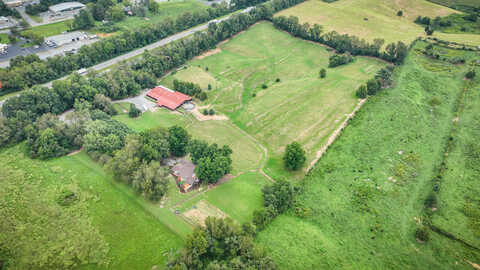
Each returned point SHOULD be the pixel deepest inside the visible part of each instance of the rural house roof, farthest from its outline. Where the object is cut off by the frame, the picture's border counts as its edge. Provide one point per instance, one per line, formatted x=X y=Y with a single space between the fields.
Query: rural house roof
x=168 y=98
x=184 y=170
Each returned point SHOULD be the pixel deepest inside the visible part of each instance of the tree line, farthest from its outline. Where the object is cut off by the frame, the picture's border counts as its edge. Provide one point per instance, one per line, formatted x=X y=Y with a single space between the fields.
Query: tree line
x=394 y=52
x=17 y=77
x=189 y=88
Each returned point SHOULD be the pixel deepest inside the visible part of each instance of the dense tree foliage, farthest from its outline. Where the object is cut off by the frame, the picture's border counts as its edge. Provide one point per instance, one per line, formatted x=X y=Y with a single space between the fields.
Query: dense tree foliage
x=342 y=43
x=6 y=11
x=221 y=244
x=470 y=74
x=278 y=198
x=178 y=139
x=105 y=136
x=83 y=20
x=189 y=88
x=323 y=73
x=339 y=59
x=361 y=92
x=294 y=157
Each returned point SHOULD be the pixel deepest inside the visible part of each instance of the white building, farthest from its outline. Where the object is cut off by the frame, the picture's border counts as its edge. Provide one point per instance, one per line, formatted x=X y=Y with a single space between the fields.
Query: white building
x=66 y=38
x=64 y=7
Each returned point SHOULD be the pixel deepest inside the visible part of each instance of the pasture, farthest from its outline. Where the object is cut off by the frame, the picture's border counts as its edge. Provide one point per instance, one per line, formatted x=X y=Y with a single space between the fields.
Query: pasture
x=364 y=200
x=299 y=106
x=369 y=19
x=105 y=223
x=170 y=9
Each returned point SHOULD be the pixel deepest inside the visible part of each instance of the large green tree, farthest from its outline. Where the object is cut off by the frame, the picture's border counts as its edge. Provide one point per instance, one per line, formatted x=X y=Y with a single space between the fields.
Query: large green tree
x=294 y=157
x=178 y=139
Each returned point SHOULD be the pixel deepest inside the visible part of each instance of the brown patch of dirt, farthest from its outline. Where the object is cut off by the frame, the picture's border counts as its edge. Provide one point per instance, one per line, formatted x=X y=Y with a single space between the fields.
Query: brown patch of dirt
x=203 y=210
x=75 y=152
x=104 y=35
x=222 y=180
x=211 y=52
x=474 y=265
x=200 y=117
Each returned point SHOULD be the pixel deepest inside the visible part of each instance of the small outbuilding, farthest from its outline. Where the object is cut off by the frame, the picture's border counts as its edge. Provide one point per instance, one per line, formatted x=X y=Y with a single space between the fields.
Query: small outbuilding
x=184 y=173
x=168 y=98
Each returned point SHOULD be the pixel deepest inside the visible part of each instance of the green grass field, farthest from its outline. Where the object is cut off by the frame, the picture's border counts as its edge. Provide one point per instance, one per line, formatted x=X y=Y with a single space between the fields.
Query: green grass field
x=4 y=38
x=458 y=204
x=348 y=17
x=364 y=199
x=171 y=9
x=301 y=107
x=134 y=238
x=52 y=29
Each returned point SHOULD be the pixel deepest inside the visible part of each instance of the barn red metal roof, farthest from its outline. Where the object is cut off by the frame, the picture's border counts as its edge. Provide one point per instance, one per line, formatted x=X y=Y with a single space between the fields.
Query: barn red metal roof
x=168 y=98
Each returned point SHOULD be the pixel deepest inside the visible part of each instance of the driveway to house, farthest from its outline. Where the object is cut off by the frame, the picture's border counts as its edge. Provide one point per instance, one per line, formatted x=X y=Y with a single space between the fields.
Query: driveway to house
x=142 y=103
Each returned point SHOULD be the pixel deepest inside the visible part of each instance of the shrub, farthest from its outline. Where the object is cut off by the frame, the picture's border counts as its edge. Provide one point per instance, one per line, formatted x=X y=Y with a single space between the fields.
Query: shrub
x=339 y=59
x=211 y=112
x=471 y=74
x=264 y=86
x=422 y=234
x=361 y=92
x=209 y=87
x=206 y=68
x=205 y=112
x=277 y=80
x=134 y=112
x=294 y=157
x=372 y=87
x=323 y=73
x=254 y=94
x=400 y=13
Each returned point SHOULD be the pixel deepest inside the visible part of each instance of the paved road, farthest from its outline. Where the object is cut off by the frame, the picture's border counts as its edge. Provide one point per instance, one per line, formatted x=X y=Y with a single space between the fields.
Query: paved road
x=152 y=46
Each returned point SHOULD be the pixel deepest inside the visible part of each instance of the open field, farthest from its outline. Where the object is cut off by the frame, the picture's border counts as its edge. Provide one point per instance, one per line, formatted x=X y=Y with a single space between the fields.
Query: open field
x=300 y=107
x=52 y=29
x=4 y=38
x=171 y=9
x=458 y=204
x=348 y=17
x=131 y=235
x=364 y=199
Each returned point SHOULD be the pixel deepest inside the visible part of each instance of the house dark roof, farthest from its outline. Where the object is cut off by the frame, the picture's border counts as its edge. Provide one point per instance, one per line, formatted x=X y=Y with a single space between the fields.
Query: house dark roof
x=184 y=170
x=168 y=98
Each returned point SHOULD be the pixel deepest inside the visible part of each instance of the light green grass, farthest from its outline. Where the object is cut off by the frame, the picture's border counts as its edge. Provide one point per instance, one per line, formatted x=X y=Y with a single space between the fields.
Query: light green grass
x=301 y=107
x=36 y=18
x=52 y=29
x=4 y=38
x=347 y=17
x=458 y=205
x=363 y=200
x=171 y=9
x=135 y=237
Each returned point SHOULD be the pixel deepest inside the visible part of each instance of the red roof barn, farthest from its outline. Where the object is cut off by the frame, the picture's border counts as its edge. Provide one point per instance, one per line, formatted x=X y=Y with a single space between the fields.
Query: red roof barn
x=168 y=98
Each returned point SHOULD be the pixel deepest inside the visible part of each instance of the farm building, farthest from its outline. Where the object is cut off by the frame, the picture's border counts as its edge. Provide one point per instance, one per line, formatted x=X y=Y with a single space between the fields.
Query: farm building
x=184 y=173
x=168 y=98
x=67 y=6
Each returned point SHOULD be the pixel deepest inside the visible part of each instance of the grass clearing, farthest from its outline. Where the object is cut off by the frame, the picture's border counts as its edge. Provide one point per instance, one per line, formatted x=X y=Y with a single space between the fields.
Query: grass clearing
x=4 y=38
x=135 y=238
x=364 y=198
x=52 y=29
x=300 y=107
x=171 y=9
x=348 y=17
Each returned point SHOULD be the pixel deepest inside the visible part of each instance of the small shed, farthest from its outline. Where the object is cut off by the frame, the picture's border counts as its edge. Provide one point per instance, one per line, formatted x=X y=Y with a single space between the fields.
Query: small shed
x=184 y=173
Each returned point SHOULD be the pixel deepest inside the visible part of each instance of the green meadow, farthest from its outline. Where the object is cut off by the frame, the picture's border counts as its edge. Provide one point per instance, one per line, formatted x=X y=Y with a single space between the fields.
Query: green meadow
x=267 y=82
x=364 y=200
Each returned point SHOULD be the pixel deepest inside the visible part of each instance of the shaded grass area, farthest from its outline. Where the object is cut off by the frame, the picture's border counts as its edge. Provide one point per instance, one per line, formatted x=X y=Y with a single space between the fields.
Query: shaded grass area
x=300 y=107
x=135 y=238
x=52 y=29
x=364 y=199
x=4 y=38
x=369 y=19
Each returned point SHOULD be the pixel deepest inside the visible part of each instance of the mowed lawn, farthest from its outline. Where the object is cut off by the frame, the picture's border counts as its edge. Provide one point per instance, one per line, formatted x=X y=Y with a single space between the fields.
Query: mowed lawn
x=300 y=107
x=365 y=198
x=171 y=9
x=247 y=155
x=135 y=239
x=369 y=19
x=52 y=29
